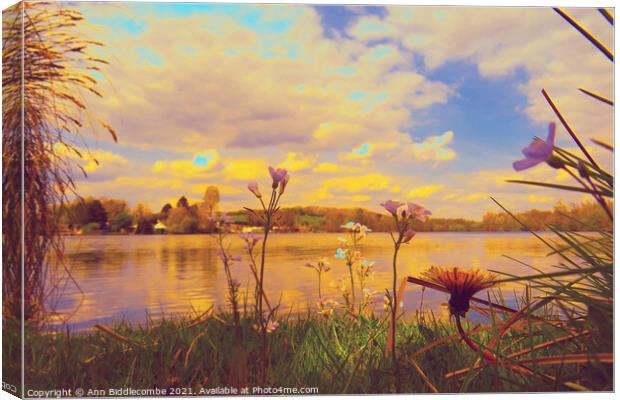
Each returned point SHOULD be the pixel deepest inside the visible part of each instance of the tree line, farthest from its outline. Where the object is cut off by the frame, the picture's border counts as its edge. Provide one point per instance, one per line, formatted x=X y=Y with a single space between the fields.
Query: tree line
x=91 y=215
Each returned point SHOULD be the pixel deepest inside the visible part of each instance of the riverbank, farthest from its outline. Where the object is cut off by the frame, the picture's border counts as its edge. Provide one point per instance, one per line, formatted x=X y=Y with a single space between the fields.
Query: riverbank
x=335 y=354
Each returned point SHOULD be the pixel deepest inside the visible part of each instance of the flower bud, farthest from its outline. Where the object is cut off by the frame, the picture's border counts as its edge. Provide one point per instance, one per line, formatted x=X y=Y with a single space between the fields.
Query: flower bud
x=253 y=187
x=555 y=162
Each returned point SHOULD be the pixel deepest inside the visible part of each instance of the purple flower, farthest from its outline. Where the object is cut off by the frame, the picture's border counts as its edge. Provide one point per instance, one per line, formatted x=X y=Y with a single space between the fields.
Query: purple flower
x=283 y=182
x=537 y=152
x=392 y=206
x=253 y=187
x=277 y=175
x=409 y=235
x=250 y=238
x=418 y=211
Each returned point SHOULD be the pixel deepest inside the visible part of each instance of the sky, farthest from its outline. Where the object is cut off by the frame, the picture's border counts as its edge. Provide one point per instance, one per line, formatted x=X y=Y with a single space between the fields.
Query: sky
x=360 y=104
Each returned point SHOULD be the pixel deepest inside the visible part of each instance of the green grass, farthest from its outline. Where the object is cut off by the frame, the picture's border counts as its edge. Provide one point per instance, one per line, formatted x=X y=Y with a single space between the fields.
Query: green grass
x=339 y=354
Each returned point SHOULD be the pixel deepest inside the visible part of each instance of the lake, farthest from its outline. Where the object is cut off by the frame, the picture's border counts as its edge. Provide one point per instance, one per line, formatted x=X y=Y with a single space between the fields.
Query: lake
x=126 y=277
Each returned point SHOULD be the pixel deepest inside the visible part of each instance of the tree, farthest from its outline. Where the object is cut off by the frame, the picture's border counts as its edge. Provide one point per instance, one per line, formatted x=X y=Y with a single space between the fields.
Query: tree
x=113 y=207
x=121 y=221
x=181 y=220
x=182 y=202
x=163 y=214
x=211 y=199
x=96 y=213
x=144 y=218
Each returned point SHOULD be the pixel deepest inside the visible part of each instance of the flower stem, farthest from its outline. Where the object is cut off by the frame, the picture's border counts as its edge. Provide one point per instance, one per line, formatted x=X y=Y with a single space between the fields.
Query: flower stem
x=349 y=264
x=394 y=310
x=487 y=355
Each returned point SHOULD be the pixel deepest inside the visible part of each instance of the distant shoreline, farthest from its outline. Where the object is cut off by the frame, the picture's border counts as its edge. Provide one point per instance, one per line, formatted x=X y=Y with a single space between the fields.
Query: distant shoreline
x=289 y=233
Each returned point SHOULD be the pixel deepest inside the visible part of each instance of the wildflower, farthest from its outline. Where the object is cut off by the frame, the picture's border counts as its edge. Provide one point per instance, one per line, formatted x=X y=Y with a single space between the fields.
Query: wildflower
x=253 y=187
x=418 y=211
x=250 y=238
x=538 y=151
x=342 y=254
x=284 y=182
x=321 y=266
x=277 y=175
x=363 y=230
x=392 y=206
x=348 y=226
x=367 y=267
x=462 y=285
x=409 y=235
x=271 y=326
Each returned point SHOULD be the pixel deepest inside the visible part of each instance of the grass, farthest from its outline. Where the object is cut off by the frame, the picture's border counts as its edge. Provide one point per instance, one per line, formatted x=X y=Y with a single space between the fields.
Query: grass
x=339 y=354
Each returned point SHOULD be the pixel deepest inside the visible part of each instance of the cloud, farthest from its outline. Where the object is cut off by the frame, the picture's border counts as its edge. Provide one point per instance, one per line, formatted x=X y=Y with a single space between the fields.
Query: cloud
x=245 y=169
x=473 y=198
x=361 y=183
x=297 y=162
x=348 y=115
x=425 y=191
x=306 y=92
x=435 y=148
x=538 y=42
x=97 y=164
x=199 y=167
x=371 y=28
x=532 y=198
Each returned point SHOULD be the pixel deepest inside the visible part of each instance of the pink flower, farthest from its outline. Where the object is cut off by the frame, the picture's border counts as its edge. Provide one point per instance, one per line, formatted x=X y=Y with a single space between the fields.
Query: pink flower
x=271 y=326
x=253 y=187
x=418 y=211
x=277 y=175
x=283 y=182
x=409 y=235
x=392 y=206
x=538 y=151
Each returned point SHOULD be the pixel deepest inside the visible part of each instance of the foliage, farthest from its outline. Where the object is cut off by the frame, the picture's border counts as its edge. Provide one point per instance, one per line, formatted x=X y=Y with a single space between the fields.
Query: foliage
x=121 y=222
x=181 y=220
x=58 y=71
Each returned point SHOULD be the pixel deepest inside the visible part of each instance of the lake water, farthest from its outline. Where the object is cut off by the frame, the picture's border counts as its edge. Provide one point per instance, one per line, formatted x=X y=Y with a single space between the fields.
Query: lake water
x=126 y=277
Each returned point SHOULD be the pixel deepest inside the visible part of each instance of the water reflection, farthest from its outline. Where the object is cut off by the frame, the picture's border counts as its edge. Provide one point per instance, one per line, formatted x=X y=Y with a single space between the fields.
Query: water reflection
x=126 y=277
